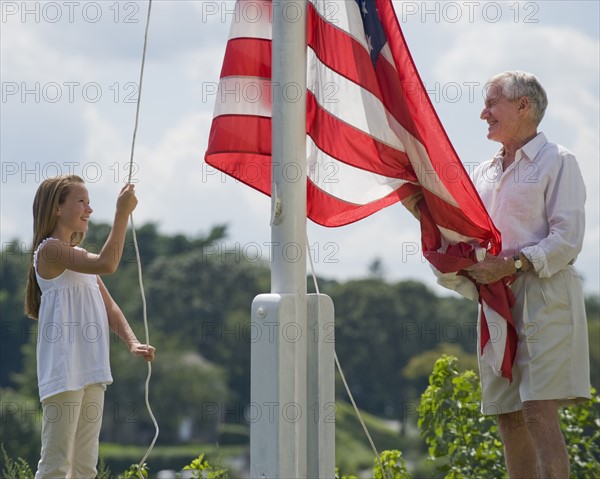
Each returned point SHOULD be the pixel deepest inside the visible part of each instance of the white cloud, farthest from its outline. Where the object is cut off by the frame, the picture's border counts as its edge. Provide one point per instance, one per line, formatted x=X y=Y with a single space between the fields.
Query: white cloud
x=570 y=76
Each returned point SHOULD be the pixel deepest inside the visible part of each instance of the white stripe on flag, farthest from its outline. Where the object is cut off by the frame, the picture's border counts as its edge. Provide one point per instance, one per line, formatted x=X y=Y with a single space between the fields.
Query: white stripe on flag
x=251 y=19
x=346 y=182
x=244 y=96
x=351 y=103
x=452 y=237
x=345 y=16
x=387 y=54
x=419 y=159
x=493 y=352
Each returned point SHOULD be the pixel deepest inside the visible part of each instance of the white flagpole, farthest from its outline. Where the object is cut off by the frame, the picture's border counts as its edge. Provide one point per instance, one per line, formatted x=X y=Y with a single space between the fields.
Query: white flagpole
x=288 y=225
x=292 y=404
x=278 y=411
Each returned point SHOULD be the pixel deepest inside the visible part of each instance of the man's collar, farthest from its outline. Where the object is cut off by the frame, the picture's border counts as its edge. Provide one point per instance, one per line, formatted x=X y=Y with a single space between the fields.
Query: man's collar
x=529 y=150
x=533 y=147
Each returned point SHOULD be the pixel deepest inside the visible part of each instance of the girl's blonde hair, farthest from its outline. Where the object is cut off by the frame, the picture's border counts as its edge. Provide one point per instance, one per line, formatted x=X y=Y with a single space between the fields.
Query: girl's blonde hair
x=51 y=193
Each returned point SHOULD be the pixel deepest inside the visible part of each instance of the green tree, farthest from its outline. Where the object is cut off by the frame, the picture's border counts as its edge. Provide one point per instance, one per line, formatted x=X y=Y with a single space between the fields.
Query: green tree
x=203 y=300
x=453 y=427
x=380 y=326
x=377 y=269
x=14 y=325
x=592 y=308
x=421 y=365
x=20 y=425
x=184 y=388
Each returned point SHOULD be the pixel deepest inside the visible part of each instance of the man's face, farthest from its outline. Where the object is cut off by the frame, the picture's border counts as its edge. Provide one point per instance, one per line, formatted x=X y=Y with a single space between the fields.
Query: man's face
x=501 y=115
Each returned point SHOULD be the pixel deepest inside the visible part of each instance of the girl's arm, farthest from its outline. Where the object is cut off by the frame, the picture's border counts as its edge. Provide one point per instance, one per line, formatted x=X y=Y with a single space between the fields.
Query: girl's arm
x=57 y=256
x=118 y=323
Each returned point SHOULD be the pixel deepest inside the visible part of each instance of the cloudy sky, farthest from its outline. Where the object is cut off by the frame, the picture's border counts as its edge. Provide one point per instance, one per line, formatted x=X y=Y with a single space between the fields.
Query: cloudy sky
x=69 y=76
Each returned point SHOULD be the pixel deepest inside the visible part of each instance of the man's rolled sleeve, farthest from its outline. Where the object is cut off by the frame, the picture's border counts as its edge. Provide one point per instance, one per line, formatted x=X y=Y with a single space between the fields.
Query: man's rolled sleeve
x=565 y=207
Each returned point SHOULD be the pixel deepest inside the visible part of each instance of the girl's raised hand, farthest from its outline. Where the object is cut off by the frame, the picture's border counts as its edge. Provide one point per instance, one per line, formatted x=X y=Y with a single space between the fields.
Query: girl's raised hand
x=127 y=201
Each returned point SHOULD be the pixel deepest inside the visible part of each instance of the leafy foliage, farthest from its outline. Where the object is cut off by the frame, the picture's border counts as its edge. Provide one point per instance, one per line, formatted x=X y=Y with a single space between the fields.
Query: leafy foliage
x=353 y=452
x=15 y=468
x=453 y=427
x=390 y=465
x=203 y=470
x=15 y=331
x=581 y=427
x=135 y=472
x=103 y=470
x=343 y=476
x=467 y=444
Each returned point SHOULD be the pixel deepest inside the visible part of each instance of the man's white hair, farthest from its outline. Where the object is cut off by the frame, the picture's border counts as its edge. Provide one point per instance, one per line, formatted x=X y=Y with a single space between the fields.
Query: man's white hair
x=515 y=84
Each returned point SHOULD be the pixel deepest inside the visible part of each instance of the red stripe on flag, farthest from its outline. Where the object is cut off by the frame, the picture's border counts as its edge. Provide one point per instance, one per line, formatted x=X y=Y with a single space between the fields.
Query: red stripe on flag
x=327 y=210
x=247 y=57
x=224 y=135
x=397 y=95
x=452 y=218
x=244 y=157
x=353 y=146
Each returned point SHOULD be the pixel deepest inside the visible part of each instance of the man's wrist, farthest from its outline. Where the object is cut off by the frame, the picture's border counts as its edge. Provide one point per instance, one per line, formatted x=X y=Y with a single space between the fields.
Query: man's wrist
x=522 y=263
x=518 y=264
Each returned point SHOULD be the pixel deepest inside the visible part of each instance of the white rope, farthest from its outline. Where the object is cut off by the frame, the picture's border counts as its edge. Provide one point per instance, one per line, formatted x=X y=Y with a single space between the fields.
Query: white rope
x=149 y=375
x=339 y=367
x=137 y=250
x=137 y=108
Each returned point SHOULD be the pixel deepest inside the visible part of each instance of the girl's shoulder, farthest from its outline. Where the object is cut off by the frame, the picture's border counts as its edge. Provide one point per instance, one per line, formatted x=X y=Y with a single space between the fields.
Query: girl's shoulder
x=46 y=246
x=55 y=244
x=50 y=254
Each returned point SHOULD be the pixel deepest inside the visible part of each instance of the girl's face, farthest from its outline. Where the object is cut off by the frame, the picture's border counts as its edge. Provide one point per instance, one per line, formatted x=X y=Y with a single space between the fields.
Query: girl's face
x=74 y=213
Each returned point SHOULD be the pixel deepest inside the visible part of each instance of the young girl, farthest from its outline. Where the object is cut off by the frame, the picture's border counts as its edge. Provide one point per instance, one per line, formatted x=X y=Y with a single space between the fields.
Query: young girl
x=75 y=312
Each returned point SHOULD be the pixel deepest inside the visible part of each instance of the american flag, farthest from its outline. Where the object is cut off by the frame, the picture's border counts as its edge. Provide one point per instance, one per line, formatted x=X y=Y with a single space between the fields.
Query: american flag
x=373 y=136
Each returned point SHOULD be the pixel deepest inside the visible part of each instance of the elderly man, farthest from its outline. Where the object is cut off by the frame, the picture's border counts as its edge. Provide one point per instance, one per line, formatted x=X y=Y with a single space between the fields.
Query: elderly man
x=534 y=192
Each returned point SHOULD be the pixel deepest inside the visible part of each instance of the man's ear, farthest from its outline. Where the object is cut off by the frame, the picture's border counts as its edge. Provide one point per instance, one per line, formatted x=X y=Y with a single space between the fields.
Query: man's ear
x=523 y=103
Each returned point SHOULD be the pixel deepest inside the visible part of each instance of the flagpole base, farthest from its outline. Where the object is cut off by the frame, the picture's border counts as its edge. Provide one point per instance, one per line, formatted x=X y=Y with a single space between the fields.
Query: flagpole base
x=292 y=393
x=321 y=387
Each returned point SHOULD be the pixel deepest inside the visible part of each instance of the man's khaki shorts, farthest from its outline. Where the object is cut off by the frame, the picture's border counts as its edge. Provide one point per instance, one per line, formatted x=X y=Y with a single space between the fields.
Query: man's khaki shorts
x=552 y=361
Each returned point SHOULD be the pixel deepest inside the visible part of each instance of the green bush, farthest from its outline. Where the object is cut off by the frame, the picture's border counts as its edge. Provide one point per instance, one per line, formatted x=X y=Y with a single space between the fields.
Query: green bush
x=203 y=470
x=390 y=465
x=581 y=428
x=466 y=444
x=15 y=468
